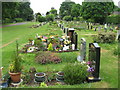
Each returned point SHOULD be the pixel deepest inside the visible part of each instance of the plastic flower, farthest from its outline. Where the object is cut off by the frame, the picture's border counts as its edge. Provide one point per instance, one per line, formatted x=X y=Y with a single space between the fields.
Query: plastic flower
x=51 y=36
x=91 y=69
x=89 y=62
x=67 y=42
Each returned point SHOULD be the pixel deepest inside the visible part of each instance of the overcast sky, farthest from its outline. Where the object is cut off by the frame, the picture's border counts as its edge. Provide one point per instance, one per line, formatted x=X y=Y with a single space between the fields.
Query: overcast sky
x=43 y=6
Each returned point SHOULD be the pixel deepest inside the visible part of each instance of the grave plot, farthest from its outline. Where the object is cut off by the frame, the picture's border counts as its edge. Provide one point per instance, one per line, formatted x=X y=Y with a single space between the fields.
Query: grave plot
x=65 y=43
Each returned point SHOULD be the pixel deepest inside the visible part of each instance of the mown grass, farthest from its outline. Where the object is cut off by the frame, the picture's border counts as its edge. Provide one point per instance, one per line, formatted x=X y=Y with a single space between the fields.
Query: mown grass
x=108 y=66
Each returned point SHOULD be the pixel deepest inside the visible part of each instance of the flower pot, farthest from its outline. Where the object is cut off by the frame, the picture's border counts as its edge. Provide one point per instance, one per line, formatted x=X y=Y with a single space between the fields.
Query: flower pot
x=60 y=76
x=15 y=77
x=40 y=77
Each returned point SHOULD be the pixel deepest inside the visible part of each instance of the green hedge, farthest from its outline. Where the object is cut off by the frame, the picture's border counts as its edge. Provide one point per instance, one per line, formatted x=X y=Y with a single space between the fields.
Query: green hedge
x=105 y=37
x=7 y=20
x=113 y=19
x=19 y=20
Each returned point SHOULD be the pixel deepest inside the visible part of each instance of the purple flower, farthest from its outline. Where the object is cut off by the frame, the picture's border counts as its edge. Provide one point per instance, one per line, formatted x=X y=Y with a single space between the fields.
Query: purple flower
x=91 y=69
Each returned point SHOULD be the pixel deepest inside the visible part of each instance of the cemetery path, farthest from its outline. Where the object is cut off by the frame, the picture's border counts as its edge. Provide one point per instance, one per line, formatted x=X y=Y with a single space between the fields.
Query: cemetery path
x=13 y=24
x=9 y=43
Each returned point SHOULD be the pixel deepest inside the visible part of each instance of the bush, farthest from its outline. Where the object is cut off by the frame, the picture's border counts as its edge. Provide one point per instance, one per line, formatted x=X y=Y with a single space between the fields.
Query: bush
x=39 y=44
x=50 y=17
x=67 y=18
x=105 y=38
x=7 y=20
x=47 y=57
x=75 y=73
x=41 y=18
x=116 y=51
x=19 y=20
x=113 y=19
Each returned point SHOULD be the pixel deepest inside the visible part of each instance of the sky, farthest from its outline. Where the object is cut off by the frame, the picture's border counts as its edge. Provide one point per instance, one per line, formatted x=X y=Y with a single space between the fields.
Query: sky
x=43 y=6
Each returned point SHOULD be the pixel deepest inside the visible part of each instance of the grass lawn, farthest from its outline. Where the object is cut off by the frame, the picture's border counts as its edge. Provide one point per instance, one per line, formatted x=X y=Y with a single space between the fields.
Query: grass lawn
x=108 y=65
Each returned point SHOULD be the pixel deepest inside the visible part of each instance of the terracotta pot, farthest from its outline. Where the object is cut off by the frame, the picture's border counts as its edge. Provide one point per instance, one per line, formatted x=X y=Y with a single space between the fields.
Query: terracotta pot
x=15 y=77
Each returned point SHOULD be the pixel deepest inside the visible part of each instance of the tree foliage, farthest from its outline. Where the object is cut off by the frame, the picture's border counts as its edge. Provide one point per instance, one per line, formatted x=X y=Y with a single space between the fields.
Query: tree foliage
x=53 y=11
x=65 y=9
x=75 y=11
x=12 y=10
x=97 y=11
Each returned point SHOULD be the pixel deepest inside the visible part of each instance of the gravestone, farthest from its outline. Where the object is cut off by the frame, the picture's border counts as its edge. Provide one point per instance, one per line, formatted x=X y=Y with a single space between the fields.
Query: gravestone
x=75 y=39
x=118 y=33
x=95 y=29
x=82 y=56
x=87 y=25
x=64 y=30
x=105 y=28
x=91 y=26
x=70 y=33
x=94 y=58
x=99 y=28
x=62 y=27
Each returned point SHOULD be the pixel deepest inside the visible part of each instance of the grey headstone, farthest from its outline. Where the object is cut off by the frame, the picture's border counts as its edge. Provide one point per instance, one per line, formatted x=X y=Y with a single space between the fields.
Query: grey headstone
x=82 y=56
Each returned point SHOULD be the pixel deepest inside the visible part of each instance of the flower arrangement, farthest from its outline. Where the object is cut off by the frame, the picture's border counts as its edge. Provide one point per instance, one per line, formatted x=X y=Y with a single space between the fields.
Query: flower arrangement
x=67 y=42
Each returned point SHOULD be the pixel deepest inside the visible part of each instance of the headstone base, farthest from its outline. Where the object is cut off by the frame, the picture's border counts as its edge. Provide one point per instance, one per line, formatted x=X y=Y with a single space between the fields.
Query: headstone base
x=89 y=79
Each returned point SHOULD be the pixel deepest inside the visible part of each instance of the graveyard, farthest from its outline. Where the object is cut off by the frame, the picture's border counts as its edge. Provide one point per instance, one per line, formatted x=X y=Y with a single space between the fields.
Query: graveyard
x=72 y=45
x=107 y=62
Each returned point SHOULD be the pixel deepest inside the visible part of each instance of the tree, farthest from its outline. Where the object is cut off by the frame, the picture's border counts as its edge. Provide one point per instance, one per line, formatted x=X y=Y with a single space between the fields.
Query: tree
x=13 y=10
x=50 y=17
x=47 y=13
x=65 y=8
x=25 y=11
x=75 y=11
x=53 y=11
x=96 y=11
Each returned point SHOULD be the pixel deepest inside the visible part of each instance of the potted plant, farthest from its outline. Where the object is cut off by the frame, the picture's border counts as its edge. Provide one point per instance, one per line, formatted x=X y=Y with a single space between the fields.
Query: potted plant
x=60 y=76
x=40 y=77
x=15 y=67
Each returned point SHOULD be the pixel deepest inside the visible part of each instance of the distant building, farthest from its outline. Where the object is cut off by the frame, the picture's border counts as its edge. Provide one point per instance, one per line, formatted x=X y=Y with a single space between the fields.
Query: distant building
x=67 y=1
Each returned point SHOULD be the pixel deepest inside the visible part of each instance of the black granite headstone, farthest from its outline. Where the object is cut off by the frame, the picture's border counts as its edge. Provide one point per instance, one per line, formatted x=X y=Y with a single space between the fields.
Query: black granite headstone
x=75 y=40
x=94 y=58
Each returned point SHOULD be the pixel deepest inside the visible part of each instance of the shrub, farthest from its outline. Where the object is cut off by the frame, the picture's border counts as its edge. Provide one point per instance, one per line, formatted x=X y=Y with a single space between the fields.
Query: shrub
x=113 y=19
x=41 y=18
x=75 y=73
x=50 y=17
x=19 y=20
x=46 y=57
x=105 y=38
x=116 y=51
x=67 y=18
x=7 y=20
